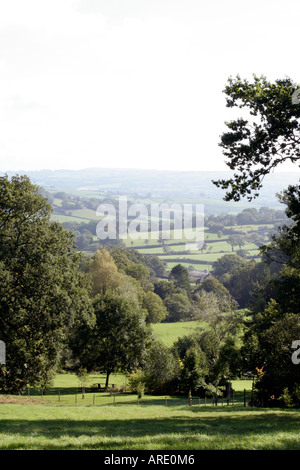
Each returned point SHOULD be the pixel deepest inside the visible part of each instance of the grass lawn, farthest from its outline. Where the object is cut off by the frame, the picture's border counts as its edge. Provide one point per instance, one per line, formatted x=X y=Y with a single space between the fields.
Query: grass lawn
x=34 y=423
x=63 y=420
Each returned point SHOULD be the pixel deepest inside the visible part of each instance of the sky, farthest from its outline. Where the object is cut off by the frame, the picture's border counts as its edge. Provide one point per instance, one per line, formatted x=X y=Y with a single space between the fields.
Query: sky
x=132 y=83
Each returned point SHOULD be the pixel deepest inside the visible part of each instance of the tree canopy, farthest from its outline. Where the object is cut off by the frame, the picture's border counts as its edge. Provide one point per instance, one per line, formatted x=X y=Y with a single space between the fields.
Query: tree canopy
x=119 y=338
x=42 y=292
x=265 y=136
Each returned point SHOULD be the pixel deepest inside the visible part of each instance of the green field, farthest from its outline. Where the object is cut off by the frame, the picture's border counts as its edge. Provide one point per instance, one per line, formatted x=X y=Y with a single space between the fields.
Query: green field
x=172 y=251
x=64 y=421
x=175 y=251
x=168 y=333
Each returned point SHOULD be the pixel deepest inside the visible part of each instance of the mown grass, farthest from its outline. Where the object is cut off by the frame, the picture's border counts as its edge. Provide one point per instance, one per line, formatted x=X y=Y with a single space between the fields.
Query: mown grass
x=104 y=421
x=152 y=426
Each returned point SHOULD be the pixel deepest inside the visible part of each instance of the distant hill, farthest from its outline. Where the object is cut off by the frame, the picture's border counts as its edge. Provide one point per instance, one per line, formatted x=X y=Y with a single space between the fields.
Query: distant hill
x=157 y=184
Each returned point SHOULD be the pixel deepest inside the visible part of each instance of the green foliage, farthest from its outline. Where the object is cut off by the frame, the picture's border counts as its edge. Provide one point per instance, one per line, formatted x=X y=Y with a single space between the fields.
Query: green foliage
x=42 y=292
x=229 y=363
x=160 y=368
x=284 y=250
x=212 y=285
x=156 y=310
x=164 y=288
x=268 y=345
x=263 y=138
x=242 y=281
x=180 y=276
x=82 y=376
x=140 y=272
x=286 y=398
x=119 y=338
x=226 y=265
x=194 y=369
x=198 y=354
x=137 y=382
x=178 y=307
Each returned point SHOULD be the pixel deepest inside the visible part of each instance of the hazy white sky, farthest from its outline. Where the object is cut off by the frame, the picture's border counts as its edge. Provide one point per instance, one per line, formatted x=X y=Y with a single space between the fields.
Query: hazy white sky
x=131 y=83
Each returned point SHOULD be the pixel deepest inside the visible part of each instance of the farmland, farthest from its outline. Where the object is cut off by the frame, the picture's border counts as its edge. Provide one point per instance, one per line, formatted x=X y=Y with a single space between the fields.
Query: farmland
x=76 y=195
x=174 y=249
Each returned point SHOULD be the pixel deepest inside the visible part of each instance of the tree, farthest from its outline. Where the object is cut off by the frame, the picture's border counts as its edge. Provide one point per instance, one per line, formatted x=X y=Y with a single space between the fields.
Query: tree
x=156 y=310
x=160 y=368
x=284 y=251
x=180 y=276
x=84 y=240
x=233 y=241
x=178 y=306
x=212 y=285
x=229 y=363
x=164 y=288
x=227 y=264
x=213 y=308
x=104 y=273
x=140 y=272
x=194 y=369
x=268 y=135
x=268 y=347
x=117 y=341
x=83 y=378
x=43 y=295
x=198 y=355
x=243 y=279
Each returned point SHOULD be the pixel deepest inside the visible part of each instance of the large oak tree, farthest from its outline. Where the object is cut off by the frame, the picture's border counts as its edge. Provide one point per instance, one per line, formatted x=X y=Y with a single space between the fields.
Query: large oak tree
x=42 y=293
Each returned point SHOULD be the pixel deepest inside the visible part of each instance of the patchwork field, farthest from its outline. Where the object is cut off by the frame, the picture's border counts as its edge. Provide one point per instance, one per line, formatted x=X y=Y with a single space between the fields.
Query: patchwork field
x=198 y=256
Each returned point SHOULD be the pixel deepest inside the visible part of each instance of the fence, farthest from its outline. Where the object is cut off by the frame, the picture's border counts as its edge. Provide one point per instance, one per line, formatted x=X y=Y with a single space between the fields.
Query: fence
x=98 y=396
x=81 y=397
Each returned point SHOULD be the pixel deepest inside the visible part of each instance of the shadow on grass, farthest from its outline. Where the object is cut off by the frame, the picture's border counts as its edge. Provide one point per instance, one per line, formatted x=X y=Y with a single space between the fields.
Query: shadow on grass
x=218 y=431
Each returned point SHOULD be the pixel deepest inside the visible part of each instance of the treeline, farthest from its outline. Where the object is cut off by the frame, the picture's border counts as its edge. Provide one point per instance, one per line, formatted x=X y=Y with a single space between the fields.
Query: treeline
x=249 y=216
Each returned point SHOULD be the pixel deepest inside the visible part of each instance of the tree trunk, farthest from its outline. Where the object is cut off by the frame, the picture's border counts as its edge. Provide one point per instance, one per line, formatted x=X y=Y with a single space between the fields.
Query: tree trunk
x=107 y=379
